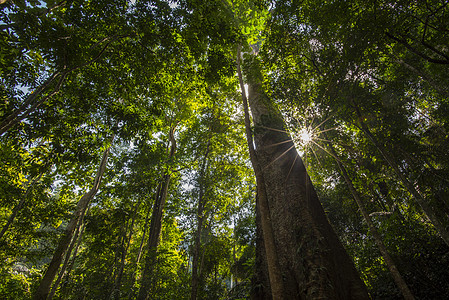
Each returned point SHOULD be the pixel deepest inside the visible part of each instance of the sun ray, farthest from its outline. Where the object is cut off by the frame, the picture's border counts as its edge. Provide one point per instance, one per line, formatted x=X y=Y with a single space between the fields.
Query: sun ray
x=326 y=130
x=276 y=144
x=333 y=142
x=327 y=151
x=324 y=140
x=313 y=151
x=327 y=119
x=280 y=155
x=274 y=129
x=291 y=168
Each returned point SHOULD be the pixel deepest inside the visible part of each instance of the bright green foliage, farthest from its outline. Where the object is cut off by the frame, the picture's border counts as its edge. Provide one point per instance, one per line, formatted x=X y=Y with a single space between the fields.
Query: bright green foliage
x=79 y=76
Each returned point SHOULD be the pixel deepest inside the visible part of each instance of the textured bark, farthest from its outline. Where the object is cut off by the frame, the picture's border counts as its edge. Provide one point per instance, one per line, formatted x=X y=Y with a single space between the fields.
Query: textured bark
x=262 y=206
x=200 y=220
x=400 y=282
x=45 y=284
x=313 y=262
x=156 y=225
x=260 y=281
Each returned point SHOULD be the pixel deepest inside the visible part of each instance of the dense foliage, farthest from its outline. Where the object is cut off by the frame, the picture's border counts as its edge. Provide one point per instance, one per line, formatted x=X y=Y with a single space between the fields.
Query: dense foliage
x=149 y=88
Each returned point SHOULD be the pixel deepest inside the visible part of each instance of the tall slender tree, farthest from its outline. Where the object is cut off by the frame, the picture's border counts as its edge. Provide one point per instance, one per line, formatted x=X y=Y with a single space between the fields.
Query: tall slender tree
x=156 y=220
x=81 y=207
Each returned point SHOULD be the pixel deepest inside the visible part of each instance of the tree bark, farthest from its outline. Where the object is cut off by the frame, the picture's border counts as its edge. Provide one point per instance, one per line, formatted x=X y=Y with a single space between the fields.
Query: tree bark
x=262 y=204
x=313 y=261
x=156 y=224
x=400 y=282
x=45 y=284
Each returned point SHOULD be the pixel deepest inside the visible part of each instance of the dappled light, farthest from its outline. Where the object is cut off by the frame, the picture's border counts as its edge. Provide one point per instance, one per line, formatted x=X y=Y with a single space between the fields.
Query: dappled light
x=224 y=149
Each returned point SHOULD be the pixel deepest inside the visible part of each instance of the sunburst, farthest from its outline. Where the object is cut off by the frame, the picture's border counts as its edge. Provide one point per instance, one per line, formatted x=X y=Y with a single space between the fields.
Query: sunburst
x=307 y=135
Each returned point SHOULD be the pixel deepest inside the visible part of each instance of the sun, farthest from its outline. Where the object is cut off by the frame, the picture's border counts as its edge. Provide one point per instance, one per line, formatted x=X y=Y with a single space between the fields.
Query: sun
x=305 y=136
x=307 y=131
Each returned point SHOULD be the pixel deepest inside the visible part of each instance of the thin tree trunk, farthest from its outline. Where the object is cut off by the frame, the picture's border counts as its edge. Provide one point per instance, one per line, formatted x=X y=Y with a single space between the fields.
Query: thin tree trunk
x=31 y=104
x=422 y=202
x=234 y=258
x=114 y=269
x=45 y=284
x=75 y=241
x=118 y=281
x=384 y=200
x=425 y=77
x=156 y=224
x=153 y=239
x=260 y=281
x=139 y=254
x=401 y=284
x=72 y=263
x=313 y=262
x=200 y=219
x=18 y=207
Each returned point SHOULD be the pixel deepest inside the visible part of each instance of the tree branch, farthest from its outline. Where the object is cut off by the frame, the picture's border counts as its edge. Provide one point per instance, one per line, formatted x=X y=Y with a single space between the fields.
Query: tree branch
x=413 y=50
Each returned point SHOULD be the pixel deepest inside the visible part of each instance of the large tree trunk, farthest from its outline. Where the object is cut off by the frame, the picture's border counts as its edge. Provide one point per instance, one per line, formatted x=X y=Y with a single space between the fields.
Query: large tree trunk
x=311 y=259
x=270 y=258
x=44 y=288
x=156 y=225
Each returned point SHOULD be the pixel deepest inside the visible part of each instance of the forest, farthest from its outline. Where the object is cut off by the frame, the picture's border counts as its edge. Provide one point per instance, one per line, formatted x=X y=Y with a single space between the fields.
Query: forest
x=224 y=149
